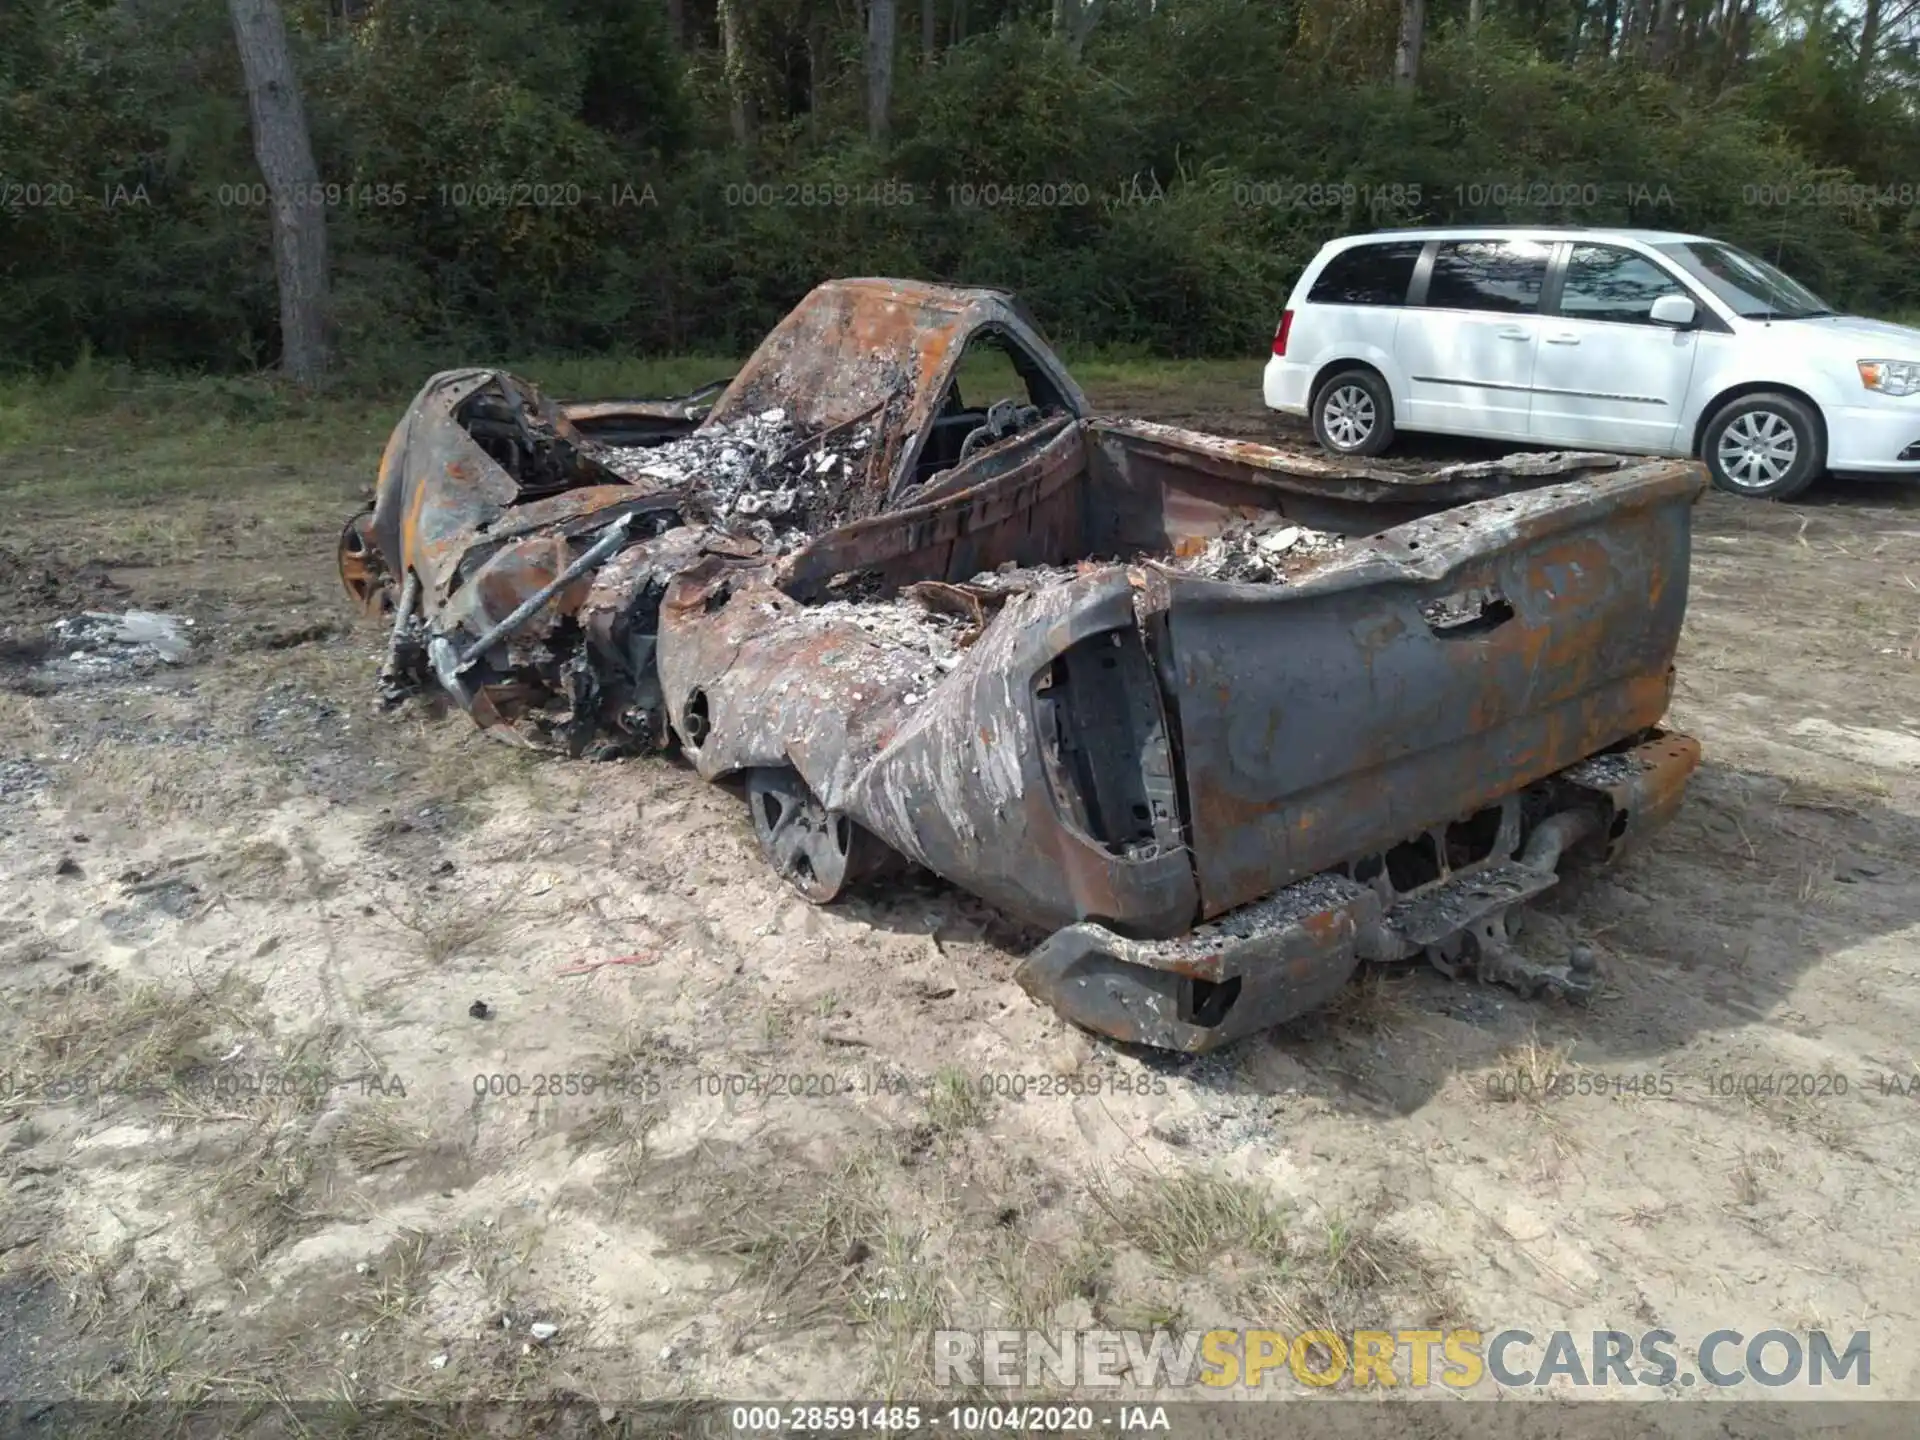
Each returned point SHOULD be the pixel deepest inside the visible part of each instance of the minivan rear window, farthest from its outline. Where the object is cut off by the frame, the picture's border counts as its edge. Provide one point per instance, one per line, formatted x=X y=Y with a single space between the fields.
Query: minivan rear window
x=1367 y=275
x=1503 y=275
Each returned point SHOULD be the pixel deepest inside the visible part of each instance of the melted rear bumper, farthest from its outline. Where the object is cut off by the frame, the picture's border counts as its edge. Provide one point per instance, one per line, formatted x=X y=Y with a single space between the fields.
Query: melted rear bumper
x=1291 y=952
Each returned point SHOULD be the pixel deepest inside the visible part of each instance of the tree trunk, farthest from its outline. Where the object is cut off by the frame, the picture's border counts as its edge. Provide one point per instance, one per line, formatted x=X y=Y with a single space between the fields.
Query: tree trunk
x=929 y=34
x=1413 y=38
x=1665 y=19
x=1609 y=21
x=1081 y=17
x=1869 y=43
x=1742 y=31
x=958 y=27
x=880 y=16
x=677 y=23
x=299 y=215
x=733 y=61
x=1476 y=12
x=816 y=71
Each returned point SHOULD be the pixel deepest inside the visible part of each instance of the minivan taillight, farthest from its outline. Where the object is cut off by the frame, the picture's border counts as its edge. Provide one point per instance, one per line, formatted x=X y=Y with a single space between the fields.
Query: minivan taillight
x=1280 y=335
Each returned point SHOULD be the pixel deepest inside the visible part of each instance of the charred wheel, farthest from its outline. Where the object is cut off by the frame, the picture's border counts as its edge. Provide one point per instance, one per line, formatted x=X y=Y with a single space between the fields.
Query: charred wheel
x=818 y=851
x=362 y=570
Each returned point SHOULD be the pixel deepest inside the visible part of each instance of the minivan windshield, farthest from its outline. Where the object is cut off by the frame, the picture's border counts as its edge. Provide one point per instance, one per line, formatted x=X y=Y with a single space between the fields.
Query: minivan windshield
x=1753 y=289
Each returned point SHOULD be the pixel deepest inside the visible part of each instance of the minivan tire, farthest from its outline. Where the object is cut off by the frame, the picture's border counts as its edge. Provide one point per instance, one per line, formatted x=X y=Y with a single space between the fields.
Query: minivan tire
x=1353 y=413
x=1767 y=446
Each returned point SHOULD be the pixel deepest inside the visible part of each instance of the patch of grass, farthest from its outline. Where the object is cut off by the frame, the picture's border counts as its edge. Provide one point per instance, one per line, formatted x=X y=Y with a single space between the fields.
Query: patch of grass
x=1371 y=1004
x=85 y=1277
x=1749 y=1172
x=622 y=1129
x=1186 y=1221
x=801 y=1236
x=955 y=1104
x=1030 y=1282
x=397 y=1285
x=1527 y=1073
x=252 y=869
x=1818 y=888
x=98 y=1037
x=903 y=1300
x=150 y=783
x=260 y=1190
x=440 y=927
x=373 y=1136
x=1348 y=1274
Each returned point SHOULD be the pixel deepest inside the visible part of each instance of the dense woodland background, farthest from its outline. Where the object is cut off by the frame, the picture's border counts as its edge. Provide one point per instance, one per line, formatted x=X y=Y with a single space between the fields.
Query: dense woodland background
x=1149 y=173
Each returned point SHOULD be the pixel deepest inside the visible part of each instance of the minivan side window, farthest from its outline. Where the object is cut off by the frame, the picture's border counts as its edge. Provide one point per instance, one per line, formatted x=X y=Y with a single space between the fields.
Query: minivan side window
x=1503 y=275
x=1604 y=283
x=1367 y=275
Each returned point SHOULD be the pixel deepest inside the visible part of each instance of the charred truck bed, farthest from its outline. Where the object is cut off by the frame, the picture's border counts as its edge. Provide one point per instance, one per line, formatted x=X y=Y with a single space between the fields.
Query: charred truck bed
x=1225 y=720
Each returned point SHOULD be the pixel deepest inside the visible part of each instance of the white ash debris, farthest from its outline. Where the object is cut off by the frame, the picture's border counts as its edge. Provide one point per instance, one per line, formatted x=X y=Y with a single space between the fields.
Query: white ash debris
x=96 y=645
x=1012 y=578
x=762 y=475
x=1257 y=554
x=925 y=634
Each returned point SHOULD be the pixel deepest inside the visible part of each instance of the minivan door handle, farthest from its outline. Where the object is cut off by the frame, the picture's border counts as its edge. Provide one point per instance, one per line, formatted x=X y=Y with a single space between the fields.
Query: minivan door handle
x=1513 y=333
x=1565 y=337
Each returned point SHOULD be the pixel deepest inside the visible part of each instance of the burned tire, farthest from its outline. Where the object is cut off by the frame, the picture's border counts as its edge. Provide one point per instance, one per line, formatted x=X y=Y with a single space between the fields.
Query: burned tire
x=1353 y=413
x=363 y=571
x=820 y=852
x=1764 y=447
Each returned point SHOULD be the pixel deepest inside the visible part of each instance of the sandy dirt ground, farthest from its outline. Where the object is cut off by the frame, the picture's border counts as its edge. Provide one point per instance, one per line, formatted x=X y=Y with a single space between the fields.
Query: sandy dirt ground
x=311 y=1094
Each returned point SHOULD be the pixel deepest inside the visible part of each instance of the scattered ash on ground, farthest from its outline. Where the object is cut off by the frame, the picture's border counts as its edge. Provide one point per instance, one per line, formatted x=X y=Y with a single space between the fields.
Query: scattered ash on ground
x=1260 y=554
x=22 y=779
x=96 y=645
x=762 y=476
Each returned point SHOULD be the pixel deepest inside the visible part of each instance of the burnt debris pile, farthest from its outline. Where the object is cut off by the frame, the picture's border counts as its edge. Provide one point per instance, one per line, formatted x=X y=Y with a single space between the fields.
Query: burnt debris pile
x=1260 y=553
x=761 y=477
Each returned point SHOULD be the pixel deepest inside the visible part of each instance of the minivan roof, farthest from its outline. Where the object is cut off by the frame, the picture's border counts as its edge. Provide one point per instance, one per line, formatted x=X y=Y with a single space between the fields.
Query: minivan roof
x=1527 y=232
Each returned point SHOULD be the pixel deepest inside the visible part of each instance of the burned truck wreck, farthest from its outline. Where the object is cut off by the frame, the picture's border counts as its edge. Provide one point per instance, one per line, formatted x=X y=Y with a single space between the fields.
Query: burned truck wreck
x=1223 y=720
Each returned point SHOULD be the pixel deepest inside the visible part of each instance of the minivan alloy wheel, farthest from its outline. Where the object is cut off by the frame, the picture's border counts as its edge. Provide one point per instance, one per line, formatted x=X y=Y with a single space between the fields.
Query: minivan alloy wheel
x=1348 y=416
x=1758 y=449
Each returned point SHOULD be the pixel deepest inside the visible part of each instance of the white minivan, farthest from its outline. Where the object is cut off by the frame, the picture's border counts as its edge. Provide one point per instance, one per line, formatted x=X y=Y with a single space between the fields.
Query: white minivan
x=1631 y=340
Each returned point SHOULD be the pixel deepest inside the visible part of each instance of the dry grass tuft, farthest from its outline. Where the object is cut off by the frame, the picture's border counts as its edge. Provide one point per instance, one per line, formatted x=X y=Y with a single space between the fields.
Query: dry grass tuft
x=1185 y=1222
x=372 y=1136
x=97 y=1037
x=1371 y=1005
x=1528 y=1073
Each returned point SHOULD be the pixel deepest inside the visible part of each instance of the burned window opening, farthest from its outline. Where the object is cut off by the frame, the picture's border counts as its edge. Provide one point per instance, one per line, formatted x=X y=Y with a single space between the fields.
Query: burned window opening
x=968 y=423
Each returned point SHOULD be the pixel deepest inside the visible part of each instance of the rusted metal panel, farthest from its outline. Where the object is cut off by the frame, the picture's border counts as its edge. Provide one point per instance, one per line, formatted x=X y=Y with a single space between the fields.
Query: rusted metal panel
x=1318 y=717
x=947 y=768
x=1021 y=503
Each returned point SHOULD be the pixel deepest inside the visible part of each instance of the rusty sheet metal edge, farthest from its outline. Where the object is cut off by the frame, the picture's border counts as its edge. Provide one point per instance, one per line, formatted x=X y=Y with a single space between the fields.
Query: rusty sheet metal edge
x=1293 y=472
